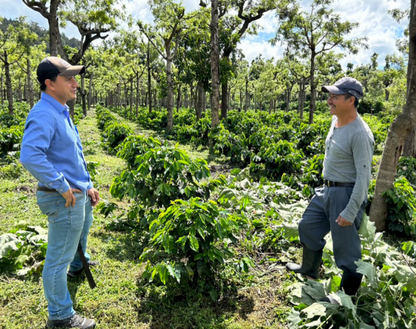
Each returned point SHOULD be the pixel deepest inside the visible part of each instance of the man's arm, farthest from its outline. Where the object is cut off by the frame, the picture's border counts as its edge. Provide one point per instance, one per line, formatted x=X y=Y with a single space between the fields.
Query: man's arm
x=39 y=131
x=362 y=149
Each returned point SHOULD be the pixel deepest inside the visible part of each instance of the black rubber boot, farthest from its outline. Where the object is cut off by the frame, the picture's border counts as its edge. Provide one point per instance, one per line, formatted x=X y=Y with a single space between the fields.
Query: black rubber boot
x=310 y=263
x=351 y=282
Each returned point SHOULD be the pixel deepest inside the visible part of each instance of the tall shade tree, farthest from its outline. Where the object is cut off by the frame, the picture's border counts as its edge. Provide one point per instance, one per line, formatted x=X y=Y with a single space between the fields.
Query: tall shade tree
x=315 y=32
x=401 y=127
x=232 y=29
x=49 y=10
x=215 y=65
x=131 y=46
x=168 y=18
x=92 y=18
x=193 y=60
x=14 y=44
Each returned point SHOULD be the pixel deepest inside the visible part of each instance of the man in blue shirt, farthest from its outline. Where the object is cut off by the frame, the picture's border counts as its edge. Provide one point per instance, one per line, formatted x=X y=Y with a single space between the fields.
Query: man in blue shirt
x=52 y=153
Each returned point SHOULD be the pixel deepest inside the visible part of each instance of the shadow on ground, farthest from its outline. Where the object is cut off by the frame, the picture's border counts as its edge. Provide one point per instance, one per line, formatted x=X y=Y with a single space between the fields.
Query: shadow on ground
x=164 y=308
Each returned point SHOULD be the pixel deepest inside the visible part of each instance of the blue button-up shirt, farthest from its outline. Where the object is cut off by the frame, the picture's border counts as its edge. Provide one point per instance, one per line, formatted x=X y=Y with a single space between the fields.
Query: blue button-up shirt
x=51 y=147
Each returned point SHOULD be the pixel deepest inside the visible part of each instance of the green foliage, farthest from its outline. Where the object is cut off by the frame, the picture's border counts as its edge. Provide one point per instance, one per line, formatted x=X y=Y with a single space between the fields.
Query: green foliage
x=22 y=250
x=230 y=144
x=401 y=203
x=385 y=299
x=163 y=174
x=10 y=139
x=104 y=118
x=12 y=169
x=312 y=176
x=311 y=138
x=279 y=158
x=114 y=134
x=92 y=169
x=136 y=145
x=370 y=106
x=190 y=243
x=407 y=168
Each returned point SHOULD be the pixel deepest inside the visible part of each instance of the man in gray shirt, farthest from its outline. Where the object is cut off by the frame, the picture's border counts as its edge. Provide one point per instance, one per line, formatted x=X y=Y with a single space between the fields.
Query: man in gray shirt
x=338 y=206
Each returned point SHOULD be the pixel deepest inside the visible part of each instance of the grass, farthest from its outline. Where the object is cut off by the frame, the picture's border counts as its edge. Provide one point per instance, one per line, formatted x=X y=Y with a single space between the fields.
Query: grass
x=119 y=301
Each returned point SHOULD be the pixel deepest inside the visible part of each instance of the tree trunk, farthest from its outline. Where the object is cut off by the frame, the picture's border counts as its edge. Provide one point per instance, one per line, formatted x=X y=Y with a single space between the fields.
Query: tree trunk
x=215 y=65
x=83 y=95
x=170 y=88
x=288 y=96
x=224 y=100
x=178 y=99
x=200 y=100
x=402 y=126
x=1 y=90
x=90 y=91
x=30 y=94
x=131 y=98
x=149 y=78
x=9 y=91
x=241 y=100
x=247 y=100
x=313 y=89
x=301 y=98
x=409 y=149
x=137 y=94
x=55 y=42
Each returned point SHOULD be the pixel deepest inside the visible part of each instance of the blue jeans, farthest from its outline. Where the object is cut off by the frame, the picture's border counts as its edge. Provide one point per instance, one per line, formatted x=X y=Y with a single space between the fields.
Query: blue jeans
x=67 y=227
x=319 y=219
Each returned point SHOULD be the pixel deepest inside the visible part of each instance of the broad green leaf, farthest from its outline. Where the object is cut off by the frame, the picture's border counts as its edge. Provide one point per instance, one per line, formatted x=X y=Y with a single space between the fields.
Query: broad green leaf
x=174 y=273
x=8 y=242
x=346 y=301
x=189 y=270
x=366 y=269
x=182 y=241
x=194 y=242
x=314 y=310
x=163 y=273
x=367 y=228
x=366 y=326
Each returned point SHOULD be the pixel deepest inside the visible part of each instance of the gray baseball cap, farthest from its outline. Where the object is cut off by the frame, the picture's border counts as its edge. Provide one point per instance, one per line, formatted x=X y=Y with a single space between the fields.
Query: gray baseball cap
x=345 y=86
x=51 y=66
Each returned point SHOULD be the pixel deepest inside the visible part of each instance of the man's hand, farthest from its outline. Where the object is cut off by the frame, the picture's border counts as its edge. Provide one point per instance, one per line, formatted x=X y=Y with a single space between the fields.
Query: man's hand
x=94 y=195
x=70 y=197
x=342 y=222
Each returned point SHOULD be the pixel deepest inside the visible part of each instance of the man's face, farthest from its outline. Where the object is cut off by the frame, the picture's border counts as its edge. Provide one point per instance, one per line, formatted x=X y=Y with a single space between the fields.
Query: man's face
x=63 y=89
x=338 y=104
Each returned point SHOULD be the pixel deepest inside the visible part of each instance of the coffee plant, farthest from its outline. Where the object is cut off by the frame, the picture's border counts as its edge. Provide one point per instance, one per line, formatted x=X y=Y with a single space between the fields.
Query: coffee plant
x=401 y=205
x=191 y=243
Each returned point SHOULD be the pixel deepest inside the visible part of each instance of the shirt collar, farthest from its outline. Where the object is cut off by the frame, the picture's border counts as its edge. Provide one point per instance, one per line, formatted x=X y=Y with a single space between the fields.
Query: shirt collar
x=55 y=104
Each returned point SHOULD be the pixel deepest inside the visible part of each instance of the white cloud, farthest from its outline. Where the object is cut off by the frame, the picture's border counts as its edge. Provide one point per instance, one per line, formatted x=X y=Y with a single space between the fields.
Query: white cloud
x=253 y=47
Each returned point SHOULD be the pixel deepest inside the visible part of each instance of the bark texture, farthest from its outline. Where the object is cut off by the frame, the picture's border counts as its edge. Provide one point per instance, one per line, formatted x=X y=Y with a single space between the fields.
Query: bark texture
x=215 y=65
x=402 y=126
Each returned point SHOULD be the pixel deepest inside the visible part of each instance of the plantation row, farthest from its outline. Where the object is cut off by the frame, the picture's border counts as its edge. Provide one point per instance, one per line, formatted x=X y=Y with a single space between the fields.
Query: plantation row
x=277 y=146
x=202 y=233
x=205 y=235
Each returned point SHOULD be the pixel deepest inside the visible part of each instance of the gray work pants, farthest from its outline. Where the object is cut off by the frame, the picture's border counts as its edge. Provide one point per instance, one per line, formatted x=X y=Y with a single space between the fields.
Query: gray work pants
x=319 y=219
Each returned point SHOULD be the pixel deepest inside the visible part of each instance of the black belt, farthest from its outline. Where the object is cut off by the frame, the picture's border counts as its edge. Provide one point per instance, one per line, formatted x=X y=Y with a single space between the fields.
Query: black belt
x=46 y=189
x=329 y=183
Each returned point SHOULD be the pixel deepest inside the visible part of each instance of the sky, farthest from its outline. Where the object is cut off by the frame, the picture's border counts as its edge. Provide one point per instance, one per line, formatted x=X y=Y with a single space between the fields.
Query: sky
x=374 y=21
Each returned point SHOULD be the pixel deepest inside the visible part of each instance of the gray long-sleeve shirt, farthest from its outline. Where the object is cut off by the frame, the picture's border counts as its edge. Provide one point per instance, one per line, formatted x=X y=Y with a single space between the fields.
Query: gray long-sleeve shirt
x=348 y=157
